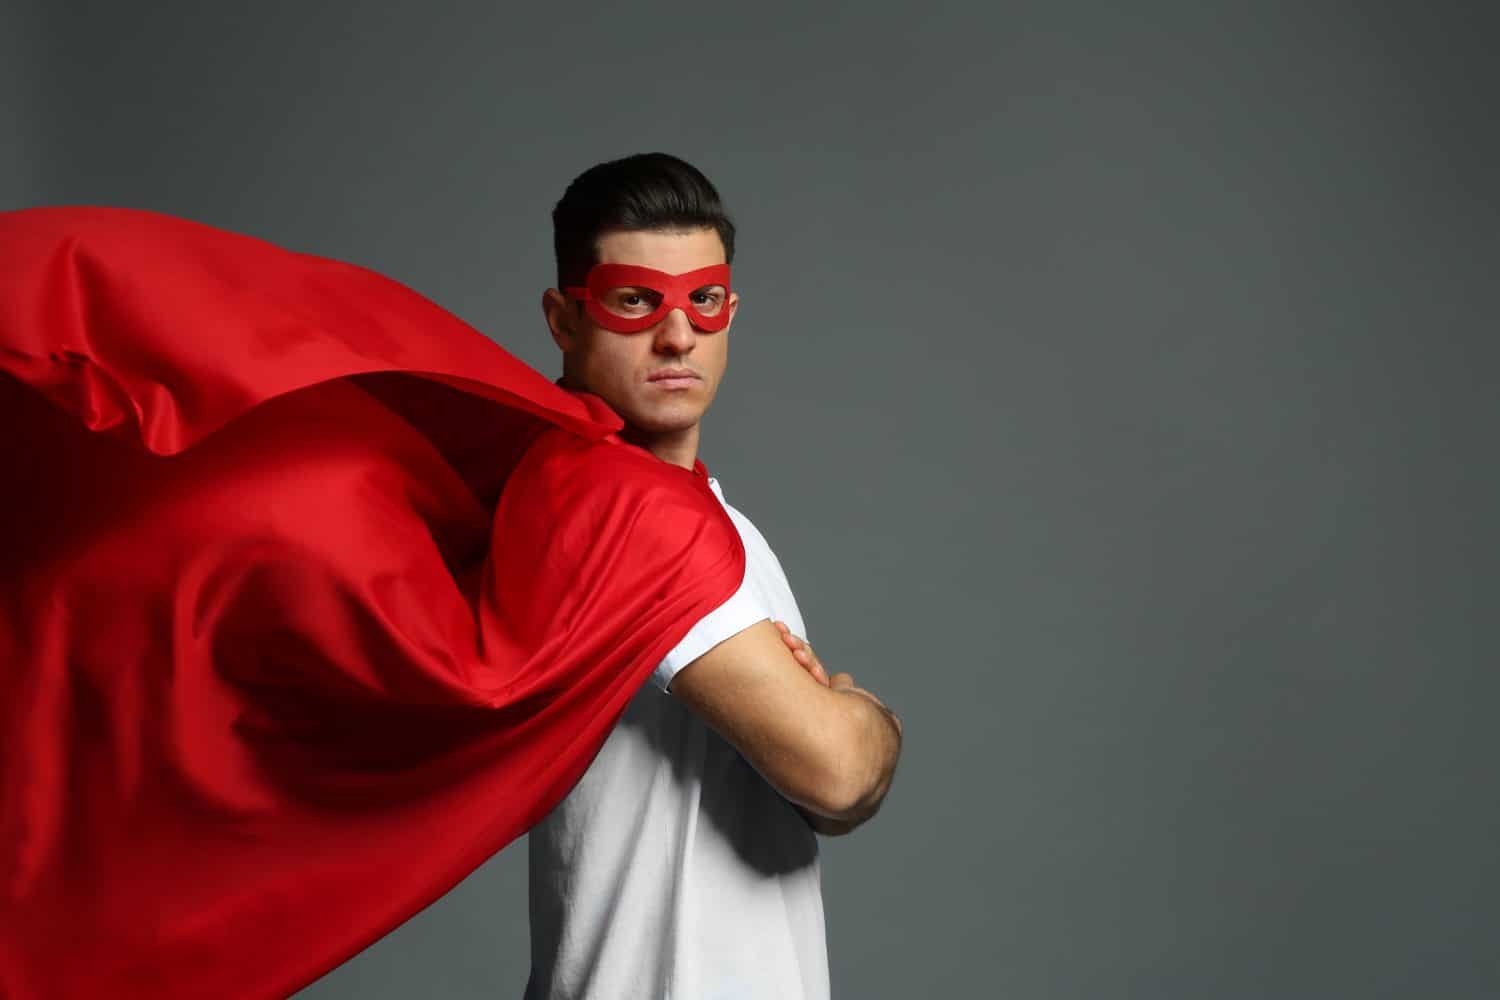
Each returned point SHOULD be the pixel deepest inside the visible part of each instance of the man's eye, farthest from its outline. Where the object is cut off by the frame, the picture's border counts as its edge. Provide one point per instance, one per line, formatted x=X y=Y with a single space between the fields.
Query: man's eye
x=707 y=301
x=631 y=302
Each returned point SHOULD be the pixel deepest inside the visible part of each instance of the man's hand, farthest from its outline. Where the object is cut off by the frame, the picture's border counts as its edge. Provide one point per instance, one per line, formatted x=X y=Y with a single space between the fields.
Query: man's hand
x=803 y=653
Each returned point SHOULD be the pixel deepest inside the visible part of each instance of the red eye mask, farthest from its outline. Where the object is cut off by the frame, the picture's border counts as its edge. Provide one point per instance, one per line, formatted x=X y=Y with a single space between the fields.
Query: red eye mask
x=627 y=298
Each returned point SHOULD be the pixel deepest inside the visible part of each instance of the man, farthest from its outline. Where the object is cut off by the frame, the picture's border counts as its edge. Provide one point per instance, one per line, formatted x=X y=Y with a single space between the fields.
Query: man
x=684 y=863
x=313 y=598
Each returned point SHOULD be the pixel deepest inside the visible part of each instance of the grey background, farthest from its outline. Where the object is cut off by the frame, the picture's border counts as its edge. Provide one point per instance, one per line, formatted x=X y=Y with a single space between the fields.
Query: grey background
x=1115 y=385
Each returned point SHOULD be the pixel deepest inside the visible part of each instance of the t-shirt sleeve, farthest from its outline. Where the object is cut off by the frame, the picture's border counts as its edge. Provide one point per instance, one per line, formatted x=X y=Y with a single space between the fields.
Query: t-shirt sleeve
x=746 y=606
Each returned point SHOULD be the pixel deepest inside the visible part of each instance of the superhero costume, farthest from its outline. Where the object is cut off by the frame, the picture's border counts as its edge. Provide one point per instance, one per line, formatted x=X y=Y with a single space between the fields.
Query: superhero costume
x=312 y=598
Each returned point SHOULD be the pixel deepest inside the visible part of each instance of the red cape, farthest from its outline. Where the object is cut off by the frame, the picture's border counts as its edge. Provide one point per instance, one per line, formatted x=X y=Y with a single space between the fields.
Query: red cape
x=312 y=598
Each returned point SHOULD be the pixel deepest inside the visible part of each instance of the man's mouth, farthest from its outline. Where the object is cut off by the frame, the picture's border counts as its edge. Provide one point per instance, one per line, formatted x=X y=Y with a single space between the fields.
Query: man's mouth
x=674 y=378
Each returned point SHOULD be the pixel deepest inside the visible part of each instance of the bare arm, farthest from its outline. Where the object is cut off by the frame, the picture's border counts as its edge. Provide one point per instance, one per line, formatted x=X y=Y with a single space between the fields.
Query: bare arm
x=829 y=749
x=809 y=661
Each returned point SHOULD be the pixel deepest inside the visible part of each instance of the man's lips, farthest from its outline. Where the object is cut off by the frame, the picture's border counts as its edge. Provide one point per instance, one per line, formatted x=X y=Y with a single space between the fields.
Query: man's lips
x=672 y=378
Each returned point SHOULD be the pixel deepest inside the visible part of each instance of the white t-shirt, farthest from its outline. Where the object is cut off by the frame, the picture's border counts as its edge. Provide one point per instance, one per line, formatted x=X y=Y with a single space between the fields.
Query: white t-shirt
x=673 y=869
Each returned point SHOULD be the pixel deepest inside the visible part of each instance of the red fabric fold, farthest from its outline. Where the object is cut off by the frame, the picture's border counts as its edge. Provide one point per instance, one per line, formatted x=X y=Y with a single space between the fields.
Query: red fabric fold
x=312 y=598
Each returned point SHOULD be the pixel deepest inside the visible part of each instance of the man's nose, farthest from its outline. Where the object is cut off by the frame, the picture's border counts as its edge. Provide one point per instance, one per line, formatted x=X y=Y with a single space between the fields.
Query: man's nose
x=676 y=334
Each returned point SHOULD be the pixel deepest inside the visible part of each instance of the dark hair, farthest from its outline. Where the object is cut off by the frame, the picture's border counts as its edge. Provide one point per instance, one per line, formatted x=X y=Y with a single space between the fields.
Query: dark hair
x=644 y=191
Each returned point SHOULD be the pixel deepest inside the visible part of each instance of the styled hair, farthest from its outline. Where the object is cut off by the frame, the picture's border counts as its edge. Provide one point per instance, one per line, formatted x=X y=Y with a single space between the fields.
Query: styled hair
x=644 y=191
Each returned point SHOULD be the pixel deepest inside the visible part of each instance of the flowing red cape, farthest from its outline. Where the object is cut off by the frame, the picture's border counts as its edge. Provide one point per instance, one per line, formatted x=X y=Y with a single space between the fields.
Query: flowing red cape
x=312 y=598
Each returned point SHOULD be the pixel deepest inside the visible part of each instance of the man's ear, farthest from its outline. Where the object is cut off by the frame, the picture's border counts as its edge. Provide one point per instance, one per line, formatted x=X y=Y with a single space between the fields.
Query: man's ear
x=734 y=305
x=560 y=319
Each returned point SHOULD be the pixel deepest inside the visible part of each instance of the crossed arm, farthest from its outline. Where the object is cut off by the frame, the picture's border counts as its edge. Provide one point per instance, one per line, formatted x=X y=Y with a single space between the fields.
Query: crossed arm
x=827 y=745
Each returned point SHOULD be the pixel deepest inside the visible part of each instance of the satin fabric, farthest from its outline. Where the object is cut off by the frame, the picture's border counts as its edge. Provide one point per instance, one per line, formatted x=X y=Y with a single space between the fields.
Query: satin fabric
x=312 y=598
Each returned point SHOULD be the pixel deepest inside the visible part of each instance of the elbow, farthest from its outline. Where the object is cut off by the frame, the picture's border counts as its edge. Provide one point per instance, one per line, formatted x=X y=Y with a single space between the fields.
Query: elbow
x=849 y=792
x=838 y=794
x=856 y=771
x=821 y=782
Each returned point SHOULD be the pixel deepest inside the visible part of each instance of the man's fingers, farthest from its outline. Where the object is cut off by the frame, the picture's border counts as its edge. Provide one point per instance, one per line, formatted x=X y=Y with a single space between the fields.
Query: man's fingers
x=796 y=643
x=802 y=652
x=808 y=660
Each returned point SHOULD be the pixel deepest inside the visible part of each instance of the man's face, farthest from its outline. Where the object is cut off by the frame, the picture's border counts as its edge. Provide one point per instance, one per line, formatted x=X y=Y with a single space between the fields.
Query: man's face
x=628 y=370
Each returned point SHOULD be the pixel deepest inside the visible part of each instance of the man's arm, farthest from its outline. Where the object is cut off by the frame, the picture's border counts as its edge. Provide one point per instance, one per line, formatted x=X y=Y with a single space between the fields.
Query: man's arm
x=809 y=661
x=831 y=750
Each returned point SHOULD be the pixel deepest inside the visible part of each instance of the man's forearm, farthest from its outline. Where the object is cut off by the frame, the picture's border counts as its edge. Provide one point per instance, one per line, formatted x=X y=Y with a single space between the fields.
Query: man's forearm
x=878 y=747
x=874 y=738
x=825 y=744
x=874 y=748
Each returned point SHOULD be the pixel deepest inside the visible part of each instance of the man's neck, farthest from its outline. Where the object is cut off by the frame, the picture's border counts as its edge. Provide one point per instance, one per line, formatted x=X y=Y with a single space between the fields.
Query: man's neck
x=678 y=448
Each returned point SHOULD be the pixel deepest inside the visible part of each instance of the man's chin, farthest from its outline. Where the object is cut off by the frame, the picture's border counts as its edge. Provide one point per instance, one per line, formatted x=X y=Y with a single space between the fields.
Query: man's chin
x=664 y=419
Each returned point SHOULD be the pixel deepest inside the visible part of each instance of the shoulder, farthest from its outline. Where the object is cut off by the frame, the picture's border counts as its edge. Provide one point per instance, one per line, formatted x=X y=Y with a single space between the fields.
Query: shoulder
x=577 y=490
x=570 y=466
x=754 y=539
x=743 y=522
